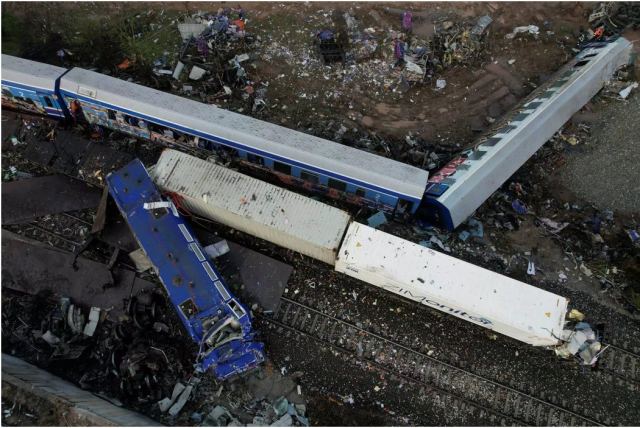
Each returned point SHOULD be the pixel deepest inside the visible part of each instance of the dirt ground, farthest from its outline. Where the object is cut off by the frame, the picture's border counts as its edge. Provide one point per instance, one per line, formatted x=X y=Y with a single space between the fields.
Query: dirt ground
x=361 y=97
x=610 y=160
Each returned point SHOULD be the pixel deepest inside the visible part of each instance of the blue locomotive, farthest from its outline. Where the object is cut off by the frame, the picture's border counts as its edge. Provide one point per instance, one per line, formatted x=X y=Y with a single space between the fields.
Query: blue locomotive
x=212 y=316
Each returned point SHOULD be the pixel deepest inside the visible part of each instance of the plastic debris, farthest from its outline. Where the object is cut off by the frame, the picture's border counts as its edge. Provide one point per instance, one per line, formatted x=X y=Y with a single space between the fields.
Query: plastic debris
x=219 y=417
x=188 y=30
x=280 y=406
x=530 y=29
x=585 y=270
x=464 y=235
x=531 y=268
x=582 y=343
x=441 y=84
x=94 y=318
x=481 y=25
x=178 y=70
x=553 y=226
x=519 y=206
x=166 y=403
x=377 y=219
x=126 y=63
x=239 y=58
x=75 y=319
x=197 y=73
x=50 y=338
x=438 y=242
x=196 y=417
x=218 y=249
x=626 y=91
x=285 y=421
x=182 y=400
x=575 y=315
x=407 y=18
x=140 y=260
x=475 y=228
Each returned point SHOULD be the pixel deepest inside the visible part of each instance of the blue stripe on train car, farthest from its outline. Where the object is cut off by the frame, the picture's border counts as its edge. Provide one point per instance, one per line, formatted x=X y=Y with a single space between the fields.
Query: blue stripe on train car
x=56 y=110
x=240 y=146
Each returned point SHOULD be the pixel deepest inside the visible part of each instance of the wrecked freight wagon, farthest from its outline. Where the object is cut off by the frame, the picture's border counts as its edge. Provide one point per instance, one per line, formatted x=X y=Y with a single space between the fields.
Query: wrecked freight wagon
x=493 y=301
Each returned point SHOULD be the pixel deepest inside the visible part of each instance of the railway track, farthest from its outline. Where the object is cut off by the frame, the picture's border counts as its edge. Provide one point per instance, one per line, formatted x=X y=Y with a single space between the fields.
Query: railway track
x=489 y=400
x=63 y=230
x=503 y=405
x=621 y=364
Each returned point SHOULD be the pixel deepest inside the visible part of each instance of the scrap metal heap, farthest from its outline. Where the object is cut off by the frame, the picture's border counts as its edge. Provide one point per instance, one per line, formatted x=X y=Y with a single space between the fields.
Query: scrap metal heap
x=212 y=316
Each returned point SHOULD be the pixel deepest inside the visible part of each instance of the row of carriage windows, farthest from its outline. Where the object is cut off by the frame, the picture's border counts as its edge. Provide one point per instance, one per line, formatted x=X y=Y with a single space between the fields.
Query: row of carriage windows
x=280 y=167
x=308 y=176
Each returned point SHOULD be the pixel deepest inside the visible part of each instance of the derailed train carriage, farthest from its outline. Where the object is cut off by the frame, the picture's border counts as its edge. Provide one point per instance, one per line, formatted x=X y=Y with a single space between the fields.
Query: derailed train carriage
x=442 y=282
x=315 y=164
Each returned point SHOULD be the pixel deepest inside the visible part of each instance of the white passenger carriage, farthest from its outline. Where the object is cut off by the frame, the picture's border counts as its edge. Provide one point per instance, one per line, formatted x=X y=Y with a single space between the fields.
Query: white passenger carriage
x=30 y=85
x=322 y=165
x=456 y=191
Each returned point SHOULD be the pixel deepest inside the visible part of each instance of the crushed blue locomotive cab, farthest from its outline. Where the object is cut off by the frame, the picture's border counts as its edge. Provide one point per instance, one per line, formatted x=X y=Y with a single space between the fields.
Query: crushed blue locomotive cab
x=212 y=316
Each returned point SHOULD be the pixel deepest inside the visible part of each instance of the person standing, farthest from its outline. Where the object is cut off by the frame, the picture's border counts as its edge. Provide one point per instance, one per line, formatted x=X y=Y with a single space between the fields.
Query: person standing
x=398 y=51
x=407 y=21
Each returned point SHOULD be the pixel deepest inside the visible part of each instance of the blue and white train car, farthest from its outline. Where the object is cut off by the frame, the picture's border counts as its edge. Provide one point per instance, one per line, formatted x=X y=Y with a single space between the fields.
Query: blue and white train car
x=296 y=158
x=446 y=199
x=458 y=189
x=31 y=86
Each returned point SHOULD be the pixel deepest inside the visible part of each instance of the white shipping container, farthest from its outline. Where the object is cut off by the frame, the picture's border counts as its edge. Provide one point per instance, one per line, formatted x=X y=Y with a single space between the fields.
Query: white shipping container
x=462 y=289
x=252 y=206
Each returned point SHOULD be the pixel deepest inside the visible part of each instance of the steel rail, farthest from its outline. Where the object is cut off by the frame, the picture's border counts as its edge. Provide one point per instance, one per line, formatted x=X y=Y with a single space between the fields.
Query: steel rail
x=551 y=406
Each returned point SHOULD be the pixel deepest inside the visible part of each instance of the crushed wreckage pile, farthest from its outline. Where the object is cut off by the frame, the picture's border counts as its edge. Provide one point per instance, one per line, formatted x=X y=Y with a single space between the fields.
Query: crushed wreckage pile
x=120 y=335
x=141 y=361
x=211 y=63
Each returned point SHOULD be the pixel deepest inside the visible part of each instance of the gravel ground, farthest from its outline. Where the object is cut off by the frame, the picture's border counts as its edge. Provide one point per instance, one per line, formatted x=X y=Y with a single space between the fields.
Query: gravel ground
x=607 y=172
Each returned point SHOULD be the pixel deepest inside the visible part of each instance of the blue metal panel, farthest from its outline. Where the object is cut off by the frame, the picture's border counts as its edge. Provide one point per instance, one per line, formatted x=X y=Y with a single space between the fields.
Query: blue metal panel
x=211 y=315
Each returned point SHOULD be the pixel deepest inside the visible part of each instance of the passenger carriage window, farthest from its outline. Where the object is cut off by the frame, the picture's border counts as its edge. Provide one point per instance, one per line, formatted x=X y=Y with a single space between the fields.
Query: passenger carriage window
x=112 y=114
x=309 y=176
x=360 y=192
x=282 y=167
x=404 y=205
x=337 y=184
x=48 y=102
x=259 y=160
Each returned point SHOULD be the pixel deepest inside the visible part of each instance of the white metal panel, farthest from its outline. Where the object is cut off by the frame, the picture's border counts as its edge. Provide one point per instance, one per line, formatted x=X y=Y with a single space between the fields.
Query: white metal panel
x=462 y=289
x=30 y=73
x=472 y=184
x=269 y=212
x=289 y=144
